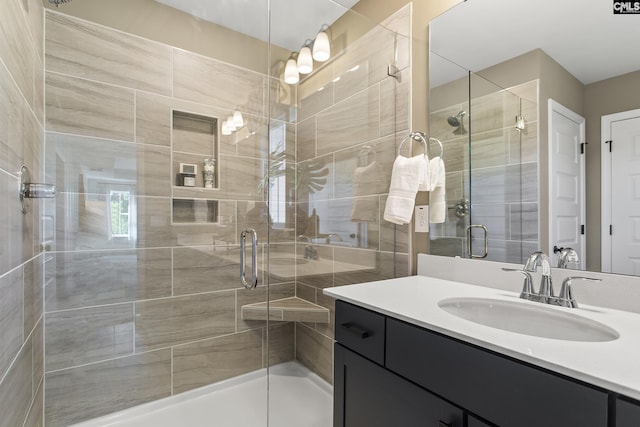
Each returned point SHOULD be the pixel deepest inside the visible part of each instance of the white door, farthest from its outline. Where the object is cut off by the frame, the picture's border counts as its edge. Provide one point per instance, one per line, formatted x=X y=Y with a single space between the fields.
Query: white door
x=625 y=196
x=566 y=180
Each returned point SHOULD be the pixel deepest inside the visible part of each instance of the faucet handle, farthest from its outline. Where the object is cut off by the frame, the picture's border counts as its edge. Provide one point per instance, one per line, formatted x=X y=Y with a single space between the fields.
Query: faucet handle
x=527 y=285
x=566 y=298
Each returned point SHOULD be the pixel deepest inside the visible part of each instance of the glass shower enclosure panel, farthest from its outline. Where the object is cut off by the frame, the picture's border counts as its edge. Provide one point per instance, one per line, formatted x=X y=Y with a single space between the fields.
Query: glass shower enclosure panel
x=158 y=143
x=333 y=138
x=489 y=135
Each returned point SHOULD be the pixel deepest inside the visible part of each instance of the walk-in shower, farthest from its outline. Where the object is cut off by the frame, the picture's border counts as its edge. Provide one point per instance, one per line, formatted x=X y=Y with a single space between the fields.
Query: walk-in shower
x=125 y=289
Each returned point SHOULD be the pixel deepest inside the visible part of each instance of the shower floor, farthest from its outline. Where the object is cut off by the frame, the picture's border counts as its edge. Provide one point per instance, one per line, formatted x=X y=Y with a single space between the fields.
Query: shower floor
x=297 y=398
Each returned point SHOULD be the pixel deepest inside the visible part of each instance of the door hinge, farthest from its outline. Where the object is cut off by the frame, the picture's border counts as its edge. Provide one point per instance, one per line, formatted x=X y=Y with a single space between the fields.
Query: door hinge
x=583 y=147
x=610 y=142
x=582 y=229
x=610 y=230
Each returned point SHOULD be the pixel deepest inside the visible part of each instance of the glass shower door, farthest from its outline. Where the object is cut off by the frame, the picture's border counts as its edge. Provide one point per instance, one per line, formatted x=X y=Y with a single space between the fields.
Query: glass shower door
x=333 y=137
x=490 y=139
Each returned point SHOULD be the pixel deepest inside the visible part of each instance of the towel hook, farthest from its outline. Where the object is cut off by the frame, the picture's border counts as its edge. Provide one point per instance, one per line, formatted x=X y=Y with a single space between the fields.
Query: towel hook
x=421 y=138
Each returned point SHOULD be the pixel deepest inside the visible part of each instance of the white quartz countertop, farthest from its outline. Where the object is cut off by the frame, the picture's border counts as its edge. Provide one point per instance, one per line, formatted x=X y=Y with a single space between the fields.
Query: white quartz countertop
x=613 y=365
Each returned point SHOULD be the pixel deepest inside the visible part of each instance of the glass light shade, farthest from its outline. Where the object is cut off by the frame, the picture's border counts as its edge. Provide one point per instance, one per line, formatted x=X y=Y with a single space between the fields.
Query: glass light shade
x=230 y=124
x=305 y=61
x=238 y=120
x=225 y=129
x=321 y=47
x=291 y=75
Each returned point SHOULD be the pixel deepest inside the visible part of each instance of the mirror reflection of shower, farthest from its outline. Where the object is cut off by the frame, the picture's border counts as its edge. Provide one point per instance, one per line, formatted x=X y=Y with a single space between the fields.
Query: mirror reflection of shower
x=457 y=122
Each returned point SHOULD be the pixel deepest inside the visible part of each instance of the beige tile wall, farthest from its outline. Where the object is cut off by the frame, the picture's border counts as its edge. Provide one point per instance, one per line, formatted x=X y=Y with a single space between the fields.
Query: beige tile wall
x=21 y=258
x=129 y=320
x=351 y=115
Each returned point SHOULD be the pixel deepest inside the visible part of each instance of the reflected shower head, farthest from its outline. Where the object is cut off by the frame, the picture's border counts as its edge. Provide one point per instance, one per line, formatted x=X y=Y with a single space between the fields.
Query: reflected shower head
x=58 y=2
x=457 y=122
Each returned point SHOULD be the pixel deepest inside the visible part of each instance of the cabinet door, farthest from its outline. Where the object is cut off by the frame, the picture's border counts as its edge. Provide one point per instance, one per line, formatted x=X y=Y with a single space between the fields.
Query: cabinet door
x=498 y=389
x=367 y=395
x=627 y=414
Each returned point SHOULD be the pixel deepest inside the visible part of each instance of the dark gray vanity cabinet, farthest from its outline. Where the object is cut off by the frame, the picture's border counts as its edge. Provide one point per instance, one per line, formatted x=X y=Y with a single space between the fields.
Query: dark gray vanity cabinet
x=367 y=395
x=410 y=376
x=627 y=413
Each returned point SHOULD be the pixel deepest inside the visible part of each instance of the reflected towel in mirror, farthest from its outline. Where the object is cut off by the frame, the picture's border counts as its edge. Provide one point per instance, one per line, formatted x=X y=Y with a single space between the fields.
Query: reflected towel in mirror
x=407 y=175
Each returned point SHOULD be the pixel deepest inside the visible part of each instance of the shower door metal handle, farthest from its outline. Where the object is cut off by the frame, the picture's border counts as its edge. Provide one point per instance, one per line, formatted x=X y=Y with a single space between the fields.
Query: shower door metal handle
x=253 y=282
x=486 y=241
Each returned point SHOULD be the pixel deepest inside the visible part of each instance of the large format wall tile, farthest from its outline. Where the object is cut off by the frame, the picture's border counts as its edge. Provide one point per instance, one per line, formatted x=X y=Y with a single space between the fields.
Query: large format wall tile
x=16 y=47
x=98 y=166
x=349 y=122
x=94 y=52
x=173 y=321
x=10 y=317
x=12 y=111
x=240 y=178
x=76 y=337
x=205 y=80
x=206 y=362
x=88 y=108
x=16 y=390
x=281 y=344
x=205 y=269
x=87 y=278
x=315 y=351
x=33 y=293
x=90 y=391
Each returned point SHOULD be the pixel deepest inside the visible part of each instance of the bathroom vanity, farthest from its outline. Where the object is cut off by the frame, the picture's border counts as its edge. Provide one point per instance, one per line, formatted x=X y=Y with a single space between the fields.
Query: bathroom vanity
x=401 y=359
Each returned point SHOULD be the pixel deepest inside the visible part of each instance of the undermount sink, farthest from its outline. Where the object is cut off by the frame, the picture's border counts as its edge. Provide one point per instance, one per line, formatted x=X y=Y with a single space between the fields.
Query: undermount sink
x=528 y=319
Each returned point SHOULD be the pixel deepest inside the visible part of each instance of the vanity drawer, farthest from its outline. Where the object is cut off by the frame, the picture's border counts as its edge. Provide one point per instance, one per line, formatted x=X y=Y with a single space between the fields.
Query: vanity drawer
x=360 y=330
x=496 y=388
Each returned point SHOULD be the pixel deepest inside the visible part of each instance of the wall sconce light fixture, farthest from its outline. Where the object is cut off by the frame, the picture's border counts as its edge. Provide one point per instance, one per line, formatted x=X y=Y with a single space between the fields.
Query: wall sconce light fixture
x=291 y=75
x=304 y=63
x=321 y=46
x=305 y=60
x=233 y=123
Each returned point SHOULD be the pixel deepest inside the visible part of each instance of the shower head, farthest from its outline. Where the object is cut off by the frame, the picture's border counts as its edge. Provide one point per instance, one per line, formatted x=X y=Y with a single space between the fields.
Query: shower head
x=58 y=2
x=458 y=123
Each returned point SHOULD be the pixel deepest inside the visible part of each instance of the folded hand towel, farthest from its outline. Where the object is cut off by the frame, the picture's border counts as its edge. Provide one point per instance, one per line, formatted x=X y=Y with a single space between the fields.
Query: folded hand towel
x=406 y=176
x=425 y=184
x=437 y=196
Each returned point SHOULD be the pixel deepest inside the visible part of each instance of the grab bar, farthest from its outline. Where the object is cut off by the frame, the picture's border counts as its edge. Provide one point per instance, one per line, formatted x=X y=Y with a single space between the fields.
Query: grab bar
x=254 y=263
x=486 y=241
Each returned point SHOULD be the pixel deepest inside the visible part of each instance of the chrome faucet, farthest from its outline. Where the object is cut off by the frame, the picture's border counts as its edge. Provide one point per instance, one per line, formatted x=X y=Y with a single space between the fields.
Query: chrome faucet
x=566 y=299
x=545 y=293
x=310 y=251
x=567 y=255
x=540 y=259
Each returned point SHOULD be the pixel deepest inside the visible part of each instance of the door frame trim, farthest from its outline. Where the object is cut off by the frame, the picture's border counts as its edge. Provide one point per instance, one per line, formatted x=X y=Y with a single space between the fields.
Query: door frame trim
x=605 y=183
x=555 y=106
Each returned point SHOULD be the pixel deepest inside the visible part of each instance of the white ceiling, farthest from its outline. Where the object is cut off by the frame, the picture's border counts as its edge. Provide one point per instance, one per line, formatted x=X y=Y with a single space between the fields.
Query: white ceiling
x=584 y=36
x=292 y=21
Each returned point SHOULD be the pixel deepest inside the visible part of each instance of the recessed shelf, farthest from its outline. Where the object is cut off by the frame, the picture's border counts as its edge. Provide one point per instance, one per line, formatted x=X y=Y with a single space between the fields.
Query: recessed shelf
x=292 y=309
x=190 y=211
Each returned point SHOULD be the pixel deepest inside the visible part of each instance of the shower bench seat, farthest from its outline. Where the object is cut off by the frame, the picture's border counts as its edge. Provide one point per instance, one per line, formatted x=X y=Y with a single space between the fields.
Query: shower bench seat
x=291 y=309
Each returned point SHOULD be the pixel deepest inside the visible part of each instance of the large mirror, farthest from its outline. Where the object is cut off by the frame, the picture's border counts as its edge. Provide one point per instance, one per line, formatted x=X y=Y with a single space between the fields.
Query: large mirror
x=555 y=81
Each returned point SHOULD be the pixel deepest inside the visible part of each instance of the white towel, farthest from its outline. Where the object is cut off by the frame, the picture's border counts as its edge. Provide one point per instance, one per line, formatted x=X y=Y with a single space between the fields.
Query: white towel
x=407 y=175
x=437 y=196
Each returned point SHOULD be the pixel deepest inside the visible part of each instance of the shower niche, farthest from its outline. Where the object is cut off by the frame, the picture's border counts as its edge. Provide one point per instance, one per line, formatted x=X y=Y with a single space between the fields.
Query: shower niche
x=194 y=159
x=195 y=153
